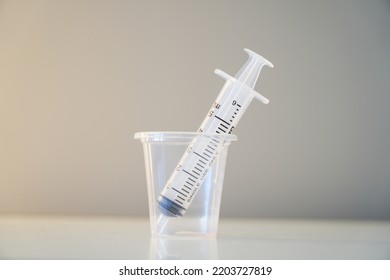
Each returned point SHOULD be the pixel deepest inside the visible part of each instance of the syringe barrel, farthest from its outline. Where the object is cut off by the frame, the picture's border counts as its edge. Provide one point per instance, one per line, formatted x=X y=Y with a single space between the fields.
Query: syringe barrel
x=222 y=118
x=228 y=109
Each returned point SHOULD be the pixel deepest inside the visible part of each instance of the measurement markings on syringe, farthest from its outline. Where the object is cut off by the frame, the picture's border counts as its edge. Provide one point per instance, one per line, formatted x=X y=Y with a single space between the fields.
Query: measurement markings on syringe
x=206 y=156
x=224 y=125
x=183 y=194
x=184 y=190
x=180 y=194
x=189 y=184
x=190 y=174
x=222 y=120
x=196 y=171
x=205 y=153
x=199 y=155
x=212 y=147
x=192 y=180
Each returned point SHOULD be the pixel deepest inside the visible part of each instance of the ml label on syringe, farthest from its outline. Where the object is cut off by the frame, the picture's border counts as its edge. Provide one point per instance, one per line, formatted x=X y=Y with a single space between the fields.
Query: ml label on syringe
x=222 y=118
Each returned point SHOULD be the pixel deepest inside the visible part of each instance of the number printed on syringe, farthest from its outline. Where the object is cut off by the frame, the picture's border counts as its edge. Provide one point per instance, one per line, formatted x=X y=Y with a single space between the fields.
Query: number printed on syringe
x=225 y=113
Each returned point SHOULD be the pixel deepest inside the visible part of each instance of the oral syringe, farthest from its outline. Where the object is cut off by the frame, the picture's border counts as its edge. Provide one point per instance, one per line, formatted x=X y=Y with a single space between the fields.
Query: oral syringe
x=225 y=113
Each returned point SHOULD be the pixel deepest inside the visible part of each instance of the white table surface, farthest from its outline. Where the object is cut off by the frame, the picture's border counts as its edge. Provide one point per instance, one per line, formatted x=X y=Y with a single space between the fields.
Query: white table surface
x=101 y=237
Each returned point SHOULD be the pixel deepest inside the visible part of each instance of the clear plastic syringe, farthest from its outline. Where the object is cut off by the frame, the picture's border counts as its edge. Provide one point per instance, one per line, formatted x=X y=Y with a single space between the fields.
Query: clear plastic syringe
x=226 y=112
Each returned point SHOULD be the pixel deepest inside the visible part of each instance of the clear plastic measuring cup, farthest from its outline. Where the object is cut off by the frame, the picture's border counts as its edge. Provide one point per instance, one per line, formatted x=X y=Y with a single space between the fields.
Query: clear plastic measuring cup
x=162 y=151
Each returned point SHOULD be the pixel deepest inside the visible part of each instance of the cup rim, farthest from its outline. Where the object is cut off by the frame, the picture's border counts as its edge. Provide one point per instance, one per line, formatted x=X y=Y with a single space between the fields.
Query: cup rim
x=180 y=135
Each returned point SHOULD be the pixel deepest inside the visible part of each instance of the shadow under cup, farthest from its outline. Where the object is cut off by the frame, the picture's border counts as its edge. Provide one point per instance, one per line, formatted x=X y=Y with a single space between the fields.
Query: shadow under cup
x=162 y=153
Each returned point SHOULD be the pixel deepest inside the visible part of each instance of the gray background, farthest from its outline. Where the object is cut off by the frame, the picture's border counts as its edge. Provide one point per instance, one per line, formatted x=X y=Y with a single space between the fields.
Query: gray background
x=79 y=78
